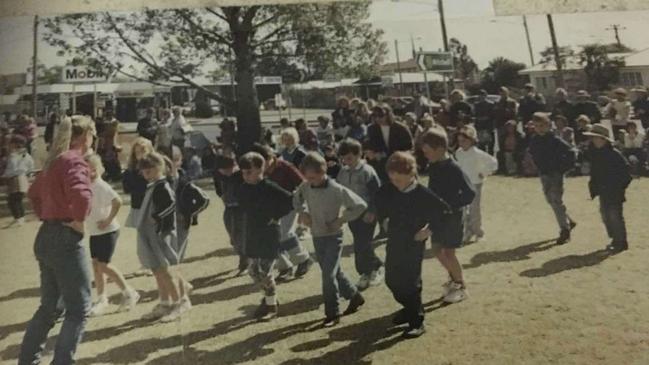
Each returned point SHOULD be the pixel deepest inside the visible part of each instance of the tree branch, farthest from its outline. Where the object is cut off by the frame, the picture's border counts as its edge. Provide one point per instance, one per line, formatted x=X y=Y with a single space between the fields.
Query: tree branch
x=205 y=33
x=216 y=13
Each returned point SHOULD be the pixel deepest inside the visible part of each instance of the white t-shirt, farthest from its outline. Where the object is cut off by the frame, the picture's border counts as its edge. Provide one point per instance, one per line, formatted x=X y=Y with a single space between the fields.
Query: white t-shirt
x=100 y=206
x=385 y=131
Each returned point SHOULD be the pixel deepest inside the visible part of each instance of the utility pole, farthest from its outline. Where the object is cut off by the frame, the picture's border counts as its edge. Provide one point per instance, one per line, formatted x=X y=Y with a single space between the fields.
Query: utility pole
x=34 y=69
x=412 y=44
x=557 y=57
x=529 y=42
x=442 y=20
x=396 y=48
x=616 y=28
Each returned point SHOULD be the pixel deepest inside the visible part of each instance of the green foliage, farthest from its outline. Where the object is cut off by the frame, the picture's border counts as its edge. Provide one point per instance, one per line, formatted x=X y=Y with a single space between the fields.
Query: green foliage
x=465 y=66
x=565 y=52
x=601 y=70
x=502 y=72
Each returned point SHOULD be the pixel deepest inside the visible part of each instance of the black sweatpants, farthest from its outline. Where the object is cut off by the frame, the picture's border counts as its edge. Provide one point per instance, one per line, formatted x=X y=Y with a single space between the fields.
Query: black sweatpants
x=15 y=203
x=365 y=259
x=403 y=277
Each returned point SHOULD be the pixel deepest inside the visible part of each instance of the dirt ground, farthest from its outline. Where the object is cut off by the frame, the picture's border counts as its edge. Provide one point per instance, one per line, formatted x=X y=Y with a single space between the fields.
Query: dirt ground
x=531 y=302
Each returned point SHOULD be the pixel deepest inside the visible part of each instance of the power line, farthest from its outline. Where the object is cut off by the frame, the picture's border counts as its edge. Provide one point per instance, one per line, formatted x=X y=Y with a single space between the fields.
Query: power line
x=616 y=29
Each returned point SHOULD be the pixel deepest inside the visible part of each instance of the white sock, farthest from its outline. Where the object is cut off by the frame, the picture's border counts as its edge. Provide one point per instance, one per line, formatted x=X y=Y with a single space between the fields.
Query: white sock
x=270 y=300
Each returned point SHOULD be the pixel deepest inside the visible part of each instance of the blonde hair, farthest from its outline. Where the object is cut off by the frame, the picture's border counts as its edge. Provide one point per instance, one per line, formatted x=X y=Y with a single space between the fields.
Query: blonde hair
x=69 y=129
x=291 y=132
x=139 y=142
x=94 y=161
x=154 y=160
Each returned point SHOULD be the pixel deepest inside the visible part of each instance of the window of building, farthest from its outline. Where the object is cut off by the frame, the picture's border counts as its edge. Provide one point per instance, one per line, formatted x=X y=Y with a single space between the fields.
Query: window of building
x=631 y=79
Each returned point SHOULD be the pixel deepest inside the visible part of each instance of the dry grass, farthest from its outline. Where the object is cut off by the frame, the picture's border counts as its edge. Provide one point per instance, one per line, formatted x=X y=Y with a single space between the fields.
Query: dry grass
x=531 y=302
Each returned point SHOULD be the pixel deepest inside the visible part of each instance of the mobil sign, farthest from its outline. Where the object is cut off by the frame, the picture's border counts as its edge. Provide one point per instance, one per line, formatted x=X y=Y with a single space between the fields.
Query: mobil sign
x=82 y=74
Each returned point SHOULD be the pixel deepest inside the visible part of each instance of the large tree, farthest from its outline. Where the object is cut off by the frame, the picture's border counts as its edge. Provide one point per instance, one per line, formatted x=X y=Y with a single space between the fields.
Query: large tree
x=601 y=70
x=502 y=72
x=178 y=45
x=465 y=67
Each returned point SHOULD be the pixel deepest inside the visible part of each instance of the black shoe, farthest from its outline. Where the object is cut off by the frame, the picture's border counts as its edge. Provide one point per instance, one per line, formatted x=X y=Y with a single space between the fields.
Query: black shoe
x=617 y=247
x=303 y=268
x=271 y=312
x=399 y=318
x=330 y=322
x=355 y=303
x=285 y=274
x=573 y=224
x=414 y=332
x=564 y=237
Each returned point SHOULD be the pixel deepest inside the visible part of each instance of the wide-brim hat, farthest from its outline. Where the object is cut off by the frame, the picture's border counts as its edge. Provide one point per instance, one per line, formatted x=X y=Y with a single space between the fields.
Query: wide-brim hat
x=469 y=132
x=599 y=130
x=529 y=86
x=641 y=89
x=620 y=91
x=583 y=93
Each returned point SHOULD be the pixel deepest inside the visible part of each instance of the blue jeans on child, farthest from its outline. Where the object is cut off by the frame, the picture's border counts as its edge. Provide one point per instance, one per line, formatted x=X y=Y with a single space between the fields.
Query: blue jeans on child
x=612 y=215
x=334 y=281
x=553 y=190
x=64 y=273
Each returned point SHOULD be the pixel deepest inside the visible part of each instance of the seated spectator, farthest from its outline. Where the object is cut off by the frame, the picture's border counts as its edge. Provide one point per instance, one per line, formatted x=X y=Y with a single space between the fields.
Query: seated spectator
x=192 y=165
x=633 y=148
x=291 y=151
x=308 y=138
x=563 y=131
x=333 y=163
x=357 y=129
x=324 y=131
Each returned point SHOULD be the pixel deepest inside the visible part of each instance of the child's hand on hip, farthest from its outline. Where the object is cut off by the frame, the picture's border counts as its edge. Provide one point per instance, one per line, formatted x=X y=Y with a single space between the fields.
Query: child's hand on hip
x=103 y=224
x=304 y=219
x=335 y=225
x=423 y=234
x=369 y=217
x=76 y=225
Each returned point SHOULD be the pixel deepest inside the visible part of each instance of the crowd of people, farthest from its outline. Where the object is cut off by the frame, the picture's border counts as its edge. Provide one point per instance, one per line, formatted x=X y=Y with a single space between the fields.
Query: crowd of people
x=359 y=167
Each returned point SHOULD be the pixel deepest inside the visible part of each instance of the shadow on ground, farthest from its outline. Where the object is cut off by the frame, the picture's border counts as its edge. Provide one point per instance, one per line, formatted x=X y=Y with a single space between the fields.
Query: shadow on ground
x=570 y=262
x=515 y=254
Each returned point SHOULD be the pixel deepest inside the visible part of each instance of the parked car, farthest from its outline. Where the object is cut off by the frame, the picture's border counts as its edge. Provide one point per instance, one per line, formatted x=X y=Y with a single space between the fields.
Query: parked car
x=271 y=104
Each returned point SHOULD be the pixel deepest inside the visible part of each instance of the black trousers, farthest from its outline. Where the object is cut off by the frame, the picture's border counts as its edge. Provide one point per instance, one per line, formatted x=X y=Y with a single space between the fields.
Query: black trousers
x=403 y=277
x=15 y=203
x=613 y=217
x=365 y=259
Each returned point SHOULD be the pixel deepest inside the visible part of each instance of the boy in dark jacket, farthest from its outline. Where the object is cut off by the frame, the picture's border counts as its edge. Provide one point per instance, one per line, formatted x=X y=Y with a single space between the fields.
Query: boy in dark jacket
x=227 y=179
x=553 y=157
x=413 y=212
x=447 y=180
x=263 y=204
x=609 y=178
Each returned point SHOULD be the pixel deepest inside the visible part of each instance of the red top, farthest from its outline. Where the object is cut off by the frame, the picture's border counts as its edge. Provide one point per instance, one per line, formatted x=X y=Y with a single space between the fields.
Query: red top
x=287 y=176
x=62 y=192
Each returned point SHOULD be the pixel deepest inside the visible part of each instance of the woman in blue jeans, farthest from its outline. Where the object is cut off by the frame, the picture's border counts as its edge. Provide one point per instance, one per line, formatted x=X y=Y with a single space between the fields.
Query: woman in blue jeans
x=61 y=198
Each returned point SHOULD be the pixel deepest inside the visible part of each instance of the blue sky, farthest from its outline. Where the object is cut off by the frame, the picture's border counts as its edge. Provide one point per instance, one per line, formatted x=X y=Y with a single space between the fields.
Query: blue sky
x=471 y=21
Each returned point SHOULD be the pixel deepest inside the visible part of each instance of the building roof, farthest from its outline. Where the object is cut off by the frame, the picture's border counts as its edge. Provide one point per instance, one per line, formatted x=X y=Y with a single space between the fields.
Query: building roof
x=126 y=87
x=394 y=66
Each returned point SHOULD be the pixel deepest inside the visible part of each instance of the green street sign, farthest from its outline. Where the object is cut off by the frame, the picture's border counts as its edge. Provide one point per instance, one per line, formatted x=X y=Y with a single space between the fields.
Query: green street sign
x=441 y=62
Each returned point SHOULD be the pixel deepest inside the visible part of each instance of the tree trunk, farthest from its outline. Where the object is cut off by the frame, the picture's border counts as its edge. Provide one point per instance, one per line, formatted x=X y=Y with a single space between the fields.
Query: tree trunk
x=247 y=102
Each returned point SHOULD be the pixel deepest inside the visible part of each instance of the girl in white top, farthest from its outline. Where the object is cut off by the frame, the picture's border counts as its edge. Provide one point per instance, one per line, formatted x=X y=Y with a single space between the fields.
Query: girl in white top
x=103 y=230
x=179 y=128
x=19 y=165
x=477 y=164
x=619 y=110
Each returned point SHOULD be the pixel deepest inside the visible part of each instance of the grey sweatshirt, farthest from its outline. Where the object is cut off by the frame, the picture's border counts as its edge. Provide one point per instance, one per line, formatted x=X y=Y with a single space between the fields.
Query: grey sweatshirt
x=362 y=180
x=324 y=205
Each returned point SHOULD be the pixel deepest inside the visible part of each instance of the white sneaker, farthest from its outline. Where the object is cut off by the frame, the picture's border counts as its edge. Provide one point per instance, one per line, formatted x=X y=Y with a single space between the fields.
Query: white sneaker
x=376 y=278
x=159 y=311
x=99 y=308
x=457 y=293
x=181 y=307
x=129 y=301
x=20 y=221
x=363 y=282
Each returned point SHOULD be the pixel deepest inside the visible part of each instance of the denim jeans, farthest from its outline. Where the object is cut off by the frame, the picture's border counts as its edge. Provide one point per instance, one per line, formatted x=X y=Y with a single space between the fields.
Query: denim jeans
x=64 y=272
x=292 y=252
x=613 y=217
x=553 y=190
x=334 y=282
x=365 y=259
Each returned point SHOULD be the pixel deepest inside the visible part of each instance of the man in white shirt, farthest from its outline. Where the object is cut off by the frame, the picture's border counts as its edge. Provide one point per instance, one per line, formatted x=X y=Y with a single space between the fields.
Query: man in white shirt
x=477 y=165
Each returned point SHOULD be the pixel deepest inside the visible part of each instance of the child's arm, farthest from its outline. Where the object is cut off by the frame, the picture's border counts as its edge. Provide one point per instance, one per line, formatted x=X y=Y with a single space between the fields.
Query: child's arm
x=354 y=205
x=373 y=185
x=164 y=205
x=116 y=204
x=299 y=204
x=466 y=191
x=489 y=163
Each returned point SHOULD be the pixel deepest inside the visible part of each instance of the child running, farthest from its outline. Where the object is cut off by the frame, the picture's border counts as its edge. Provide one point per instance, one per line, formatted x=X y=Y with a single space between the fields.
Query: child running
x=134 y=183
x=227 y=179
x=157 y=246
x=609 y=177
x=323 y=198
x=19 y=165
x=103 y=229
x=447 y=180
x=359 y=177
x=263 y=204
x=293 y=260
x=477 y=164
x=554 y=158
x=413 y=212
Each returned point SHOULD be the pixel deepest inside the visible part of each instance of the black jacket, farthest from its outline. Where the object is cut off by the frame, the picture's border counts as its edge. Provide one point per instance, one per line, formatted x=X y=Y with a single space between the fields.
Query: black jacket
x=504 y=111
x=609 y=174
x=551 y=154
x=565 y=108
x=134 y=184
x=263 y=205
x=460 y=107
x=400 y=138
x=147 y=128
x=484 y=115
x=191 y=200
x=589 y=109
x=530 y=104
x=164 y=206
x=450 y=183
